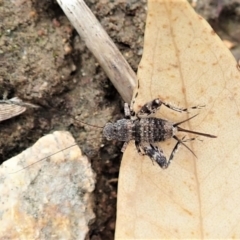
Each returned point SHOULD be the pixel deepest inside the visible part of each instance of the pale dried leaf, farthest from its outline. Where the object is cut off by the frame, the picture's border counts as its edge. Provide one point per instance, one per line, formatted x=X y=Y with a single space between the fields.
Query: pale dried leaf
x=185 y=63
x=12 y=107
x=229 y=44
x=8 y=111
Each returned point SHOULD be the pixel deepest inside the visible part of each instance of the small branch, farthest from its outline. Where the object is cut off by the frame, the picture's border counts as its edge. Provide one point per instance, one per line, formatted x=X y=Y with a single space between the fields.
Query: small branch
x=100 y=44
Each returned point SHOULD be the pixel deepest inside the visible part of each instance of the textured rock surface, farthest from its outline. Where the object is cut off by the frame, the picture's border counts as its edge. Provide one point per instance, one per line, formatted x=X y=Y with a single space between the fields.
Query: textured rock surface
x=51 y=199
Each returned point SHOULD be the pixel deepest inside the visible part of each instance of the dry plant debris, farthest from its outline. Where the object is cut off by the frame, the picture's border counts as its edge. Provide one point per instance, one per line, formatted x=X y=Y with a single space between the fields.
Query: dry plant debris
x=185 y=62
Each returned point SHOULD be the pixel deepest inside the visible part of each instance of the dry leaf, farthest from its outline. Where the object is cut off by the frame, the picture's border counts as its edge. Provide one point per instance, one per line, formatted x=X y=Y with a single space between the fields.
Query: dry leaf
x=185 y=63
x=8 y=111
x=10 y=108
x=229 y=44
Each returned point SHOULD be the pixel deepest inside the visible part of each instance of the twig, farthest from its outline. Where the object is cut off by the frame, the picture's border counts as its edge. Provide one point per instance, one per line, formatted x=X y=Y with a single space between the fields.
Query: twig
x=100 y=44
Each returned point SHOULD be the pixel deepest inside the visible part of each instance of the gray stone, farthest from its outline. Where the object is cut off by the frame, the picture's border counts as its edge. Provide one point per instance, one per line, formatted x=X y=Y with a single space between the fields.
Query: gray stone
x=50 y=199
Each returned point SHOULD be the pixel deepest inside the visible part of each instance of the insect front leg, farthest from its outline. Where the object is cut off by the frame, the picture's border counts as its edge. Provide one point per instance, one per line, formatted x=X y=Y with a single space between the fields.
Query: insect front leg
x=128 y=112
x=124 y=146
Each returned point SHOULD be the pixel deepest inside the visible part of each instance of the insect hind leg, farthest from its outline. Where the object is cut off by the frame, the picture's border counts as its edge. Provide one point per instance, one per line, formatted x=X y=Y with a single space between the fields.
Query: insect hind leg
x=154 y=105
x=156 y=154
x=168 y=105
x=180 y=141
x=150 y=107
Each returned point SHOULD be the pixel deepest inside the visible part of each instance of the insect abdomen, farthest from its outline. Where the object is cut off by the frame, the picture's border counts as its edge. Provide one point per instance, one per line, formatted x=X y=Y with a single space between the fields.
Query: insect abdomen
x=152 y=130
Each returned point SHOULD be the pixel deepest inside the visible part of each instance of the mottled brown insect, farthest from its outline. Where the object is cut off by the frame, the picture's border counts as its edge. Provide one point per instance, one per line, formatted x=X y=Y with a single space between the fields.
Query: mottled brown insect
x=147 y=131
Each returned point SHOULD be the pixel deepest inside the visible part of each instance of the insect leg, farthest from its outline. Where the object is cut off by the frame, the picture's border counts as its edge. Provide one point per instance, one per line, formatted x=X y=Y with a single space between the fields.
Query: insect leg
x=124 y=146
x=177 y=145
x=154 y=105
x=174 y=151
x=150 y=107
x=138 y=146
x=168 y=105
x=183 y=143
x=128 y=112
x=156 y=154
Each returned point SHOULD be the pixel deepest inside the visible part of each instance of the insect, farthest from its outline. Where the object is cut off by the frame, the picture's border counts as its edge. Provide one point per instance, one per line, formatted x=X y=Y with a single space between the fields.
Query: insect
x=146 y=131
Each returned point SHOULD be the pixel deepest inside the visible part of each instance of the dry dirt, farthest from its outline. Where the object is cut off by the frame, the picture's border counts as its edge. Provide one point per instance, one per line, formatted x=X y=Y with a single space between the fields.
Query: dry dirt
x=45 y=62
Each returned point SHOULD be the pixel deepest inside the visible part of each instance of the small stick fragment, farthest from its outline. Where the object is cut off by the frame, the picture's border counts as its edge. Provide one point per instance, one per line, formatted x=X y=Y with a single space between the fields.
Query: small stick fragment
x=100 y=44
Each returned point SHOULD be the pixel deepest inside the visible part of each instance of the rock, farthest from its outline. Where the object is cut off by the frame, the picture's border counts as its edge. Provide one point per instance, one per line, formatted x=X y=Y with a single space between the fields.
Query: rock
x=51 y=199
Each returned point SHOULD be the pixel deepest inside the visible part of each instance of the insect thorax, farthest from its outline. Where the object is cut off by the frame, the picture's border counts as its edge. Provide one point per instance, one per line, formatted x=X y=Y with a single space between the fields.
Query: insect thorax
x=121 y=130
x=141 y=130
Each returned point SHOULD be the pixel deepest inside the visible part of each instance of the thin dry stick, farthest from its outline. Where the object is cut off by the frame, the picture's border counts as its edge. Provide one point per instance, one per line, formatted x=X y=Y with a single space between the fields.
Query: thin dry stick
x=100 y=44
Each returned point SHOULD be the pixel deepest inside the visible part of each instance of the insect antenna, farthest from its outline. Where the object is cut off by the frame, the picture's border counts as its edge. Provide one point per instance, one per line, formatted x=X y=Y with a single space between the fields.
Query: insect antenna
x=50 y=155
x=190 y=131
x=91 y=125
x=43 y=159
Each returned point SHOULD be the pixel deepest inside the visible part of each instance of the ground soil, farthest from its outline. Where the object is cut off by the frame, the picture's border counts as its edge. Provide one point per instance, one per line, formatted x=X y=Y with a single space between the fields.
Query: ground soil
x=45 y=62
